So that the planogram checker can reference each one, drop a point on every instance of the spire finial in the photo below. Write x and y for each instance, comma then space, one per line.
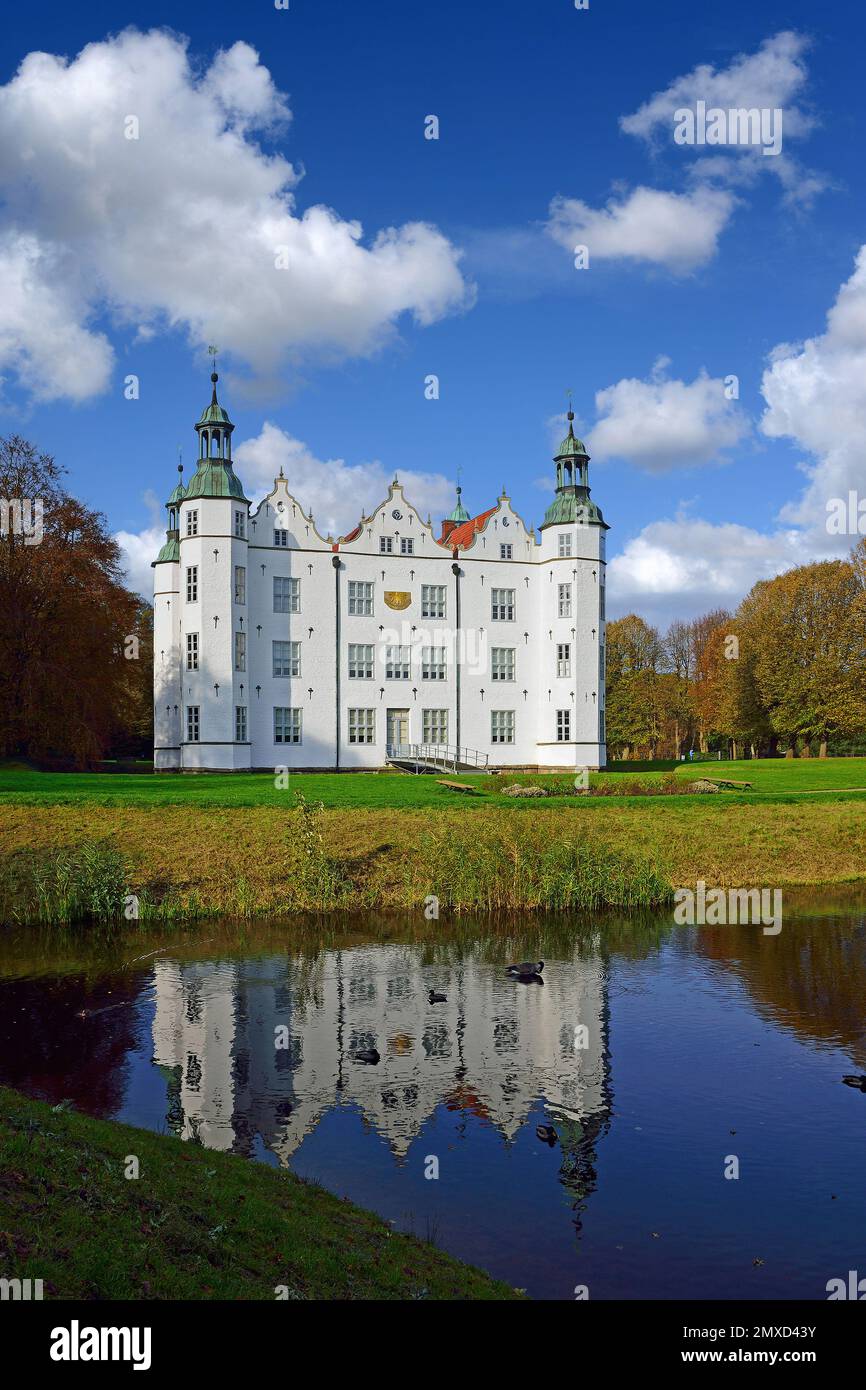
214, 376
570, 408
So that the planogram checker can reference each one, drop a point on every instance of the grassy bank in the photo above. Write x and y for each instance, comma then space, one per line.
771, 778
198, 860
194, 1225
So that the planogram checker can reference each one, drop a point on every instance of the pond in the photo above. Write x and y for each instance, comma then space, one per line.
700, 1143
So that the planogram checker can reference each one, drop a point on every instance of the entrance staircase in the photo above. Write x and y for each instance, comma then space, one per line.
435, 757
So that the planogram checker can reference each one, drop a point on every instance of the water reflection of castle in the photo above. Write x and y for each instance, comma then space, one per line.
492, 1050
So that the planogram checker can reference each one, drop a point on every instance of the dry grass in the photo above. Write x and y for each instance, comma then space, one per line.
248, 859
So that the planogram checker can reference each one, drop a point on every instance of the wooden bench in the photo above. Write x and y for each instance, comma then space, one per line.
458, 786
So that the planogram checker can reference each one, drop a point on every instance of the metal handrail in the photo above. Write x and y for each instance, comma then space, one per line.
444, 755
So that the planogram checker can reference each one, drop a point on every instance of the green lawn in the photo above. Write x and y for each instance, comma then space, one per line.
391, 790
194, 1224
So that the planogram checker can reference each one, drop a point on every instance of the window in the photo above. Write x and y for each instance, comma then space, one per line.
386, 545
434, 725
601, 726
505, 552
397, 663
192, 723
240, 524
192, 523
287, 595
362, 726
240, 651
240, 584
287, 725
564, 544
502, 663
360, 662
565, 600
360, 598
502, 605
601, 603
432, 600
286, 658
563, 659
192, 584
432, 663
240, 723
281, 537
192, 651
563, 726
407, 545
502, 726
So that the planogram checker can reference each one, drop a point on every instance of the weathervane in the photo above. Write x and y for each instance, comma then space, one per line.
212, 352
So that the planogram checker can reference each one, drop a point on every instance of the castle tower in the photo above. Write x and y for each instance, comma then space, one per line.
573, 614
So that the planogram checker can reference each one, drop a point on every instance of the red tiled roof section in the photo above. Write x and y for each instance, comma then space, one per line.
352, 536
463, 535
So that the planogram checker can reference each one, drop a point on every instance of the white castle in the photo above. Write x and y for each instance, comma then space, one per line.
275, 646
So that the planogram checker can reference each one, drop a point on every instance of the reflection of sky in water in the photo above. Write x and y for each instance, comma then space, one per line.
704, 1034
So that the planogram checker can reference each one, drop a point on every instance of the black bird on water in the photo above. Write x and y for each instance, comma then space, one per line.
859, 1082
435, 998
368, 1055
526, 970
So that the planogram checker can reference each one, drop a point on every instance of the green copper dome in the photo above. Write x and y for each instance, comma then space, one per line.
170, 552
571, 446
214, 478
459, 513
177, 496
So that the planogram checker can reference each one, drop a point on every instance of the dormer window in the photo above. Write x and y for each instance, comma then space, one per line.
386, 545
281, 538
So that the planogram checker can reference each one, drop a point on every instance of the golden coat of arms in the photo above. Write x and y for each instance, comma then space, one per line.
397, 598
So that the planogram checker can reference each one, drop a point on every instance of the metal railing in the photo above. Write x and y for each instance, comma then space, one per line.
445, 756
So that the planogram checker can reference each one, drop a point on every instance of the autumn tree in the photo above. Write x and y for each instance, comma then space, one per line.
70, 682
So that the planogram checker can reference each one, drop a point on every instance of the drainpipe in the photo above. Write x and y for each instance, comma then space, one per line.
335, 561
455, 570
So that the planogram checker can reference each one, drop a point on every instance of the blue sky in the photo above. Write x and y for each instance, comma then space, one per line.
122, 256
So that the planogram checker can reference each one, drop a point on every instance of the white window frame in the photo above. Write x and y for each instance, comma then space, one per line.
288, 724
434, 726
407, 545
506, 550
240, 525
360, 598
565, 546
192, 651
362, 726
397, 664
563, 726
240, 584
503, 663
240, 651
289, 658
386, 545
502, 605
433, 600
502, 726
434, 666
563, 658
289, 594
360, 663
240, 723
193, 723
192, 522
565, 600
281, 537
192, 583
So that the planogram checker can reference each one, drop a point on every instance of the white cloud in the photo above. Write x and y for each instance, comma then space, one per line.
677, 230
337, 492
816, 396
774, 76
661, 424
180, 228
684, 566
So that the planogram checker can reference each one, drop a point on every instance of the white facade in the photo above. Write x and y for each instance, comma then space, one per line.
275, 646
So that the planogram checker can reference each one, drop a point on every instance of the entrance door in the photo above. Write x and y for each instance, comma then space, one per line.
398, 727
